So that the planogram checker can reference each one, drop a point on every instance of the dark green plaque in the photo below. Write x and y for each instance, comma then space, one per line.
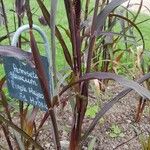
23, 83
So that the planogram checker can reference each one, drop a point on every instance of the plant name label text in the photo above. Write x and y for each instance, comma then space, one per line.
23, 83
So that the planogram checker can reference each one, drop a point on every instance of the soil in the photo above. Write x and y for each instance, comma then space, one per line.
122, 115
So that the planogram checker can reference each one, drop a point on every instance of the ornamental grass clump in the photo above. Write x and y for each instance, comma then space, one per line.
90, 52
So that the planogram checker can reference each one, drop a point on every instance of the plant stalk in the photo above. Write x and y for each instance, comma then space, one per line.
6, 21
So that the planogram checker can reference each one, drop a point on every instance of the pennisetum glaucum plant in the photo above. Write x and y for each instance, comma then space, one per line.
90, 40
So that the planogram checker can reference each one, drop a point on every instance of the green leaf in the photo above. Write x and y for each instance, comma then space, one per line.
113, 135
121, 135
92, 144
91, 111
116, 129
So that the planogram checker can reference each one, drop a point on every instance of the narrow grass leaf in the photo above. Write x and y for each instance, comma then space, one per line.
12, 125
138, 10
12, 51
28, 12
7, 111
40, 70
101, 18
65, 30
2, 81
111, 76
19, 7
5, 104
28, 125
4, 37
6, 133
109, 105
59, 36
109, 33
44, 84
5, 20
133, 24
69, 7
53, 41
123, 81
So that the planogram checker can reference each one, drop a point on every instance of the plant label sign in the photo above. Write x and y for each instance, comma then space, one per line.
23, 83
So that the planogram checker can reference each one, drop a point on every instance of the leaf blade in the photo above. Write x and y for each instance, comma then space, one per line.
109, 105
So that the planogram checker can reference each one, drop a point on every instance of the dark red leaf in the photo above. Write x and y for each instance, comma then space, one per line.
40, 70
12, 51
28, 11
12, 125
101, 18
6, 133
46, 15
42, 20
109, 105
44, 84
20, 7
111, 76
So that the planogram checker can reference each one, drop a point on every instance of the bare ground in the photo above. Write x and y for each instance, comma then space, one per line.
122, 114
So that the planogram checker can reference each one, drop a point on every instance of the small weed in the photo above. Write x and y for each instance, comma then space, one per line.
92, 143
91, 111
115, 131
145, 142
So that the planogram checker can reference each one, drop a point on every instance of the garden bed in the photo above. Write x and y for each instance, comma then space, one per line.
116, 130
